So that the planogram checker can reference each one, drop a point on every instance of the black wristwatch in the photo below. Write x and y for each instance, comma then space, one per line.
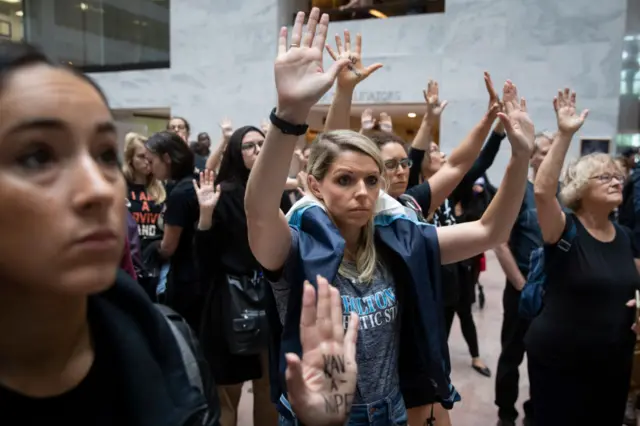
286, 127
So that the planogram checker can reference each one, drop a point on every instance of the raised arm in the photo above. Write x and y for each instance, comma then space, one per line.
550, 215
459, 242
422, 141
482, 163
213, 162
300, 83
208, 196
339, 116
444, 181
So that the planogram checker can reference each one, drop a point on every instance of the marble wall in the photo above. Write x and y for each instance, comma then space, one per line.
222, 56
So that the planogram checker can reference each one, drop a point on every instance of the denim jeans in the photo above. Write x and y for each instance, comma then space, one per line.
162, 279
389, 411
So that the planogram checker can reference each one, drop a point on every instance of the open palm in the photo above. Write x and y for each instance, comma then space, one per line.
516, 120
386, 124
300, 79
569, 120
226, 127
366, 119
494, 100
435, 107
355, 72
322, 384
208, 195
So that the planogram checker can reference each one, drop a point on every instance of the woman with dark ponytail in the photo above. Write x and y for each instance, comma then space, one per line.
226, 265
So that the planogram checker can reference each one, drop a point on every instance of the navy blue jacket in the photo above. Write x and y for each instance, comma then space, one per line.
414, 256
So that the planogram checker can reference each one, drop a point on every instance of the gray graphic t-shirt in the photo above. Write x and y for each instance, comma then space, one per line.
376, 304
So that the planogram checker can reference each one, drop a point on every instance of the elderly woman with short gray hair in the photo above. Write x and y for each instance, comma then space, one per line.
580, 346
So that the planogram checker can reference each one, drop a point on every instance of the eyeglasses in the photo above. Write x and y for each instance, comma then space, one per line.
252, 146
393, 163
608, 177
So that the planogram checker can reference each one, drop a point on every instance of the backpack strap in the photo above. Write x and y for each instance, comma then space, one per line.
410, 202
568, 235
188, 357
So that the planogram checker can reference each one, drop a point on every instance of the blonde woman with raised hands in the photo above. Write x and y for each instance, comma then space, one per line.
383, 264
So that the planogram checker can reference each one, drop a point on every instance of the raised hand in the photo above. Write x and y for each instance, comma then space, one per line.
569, 121
366, 120
227, 128
300, 79
264, 125
321, 386
183, 135
355, 72
435, 107
516, 120
302, 179
494, 100
386, 125
208, 195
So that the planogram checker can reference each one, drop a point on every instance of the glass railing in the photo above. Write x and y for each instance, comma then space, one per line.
110, 35
347, 10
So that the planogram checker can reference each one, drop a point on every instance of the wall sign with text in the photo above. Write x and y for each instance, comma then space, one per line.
368, 97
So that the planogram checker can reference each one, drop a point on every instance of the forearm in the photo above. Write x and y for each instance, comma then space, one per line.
339, 115
423, 138
480, 166
270, 171
205, 221
504, 208
213, 162
164, 251
205, 253
291, 184
509, 266
464, 155
487, 156
546, 183
417, 156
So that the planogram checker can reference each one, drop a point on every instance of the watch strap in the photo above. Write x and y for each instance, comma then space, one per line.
286, 127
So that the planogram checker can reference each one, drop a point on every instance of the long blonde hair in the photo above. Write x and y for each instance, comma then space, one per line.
155, 188
324, 151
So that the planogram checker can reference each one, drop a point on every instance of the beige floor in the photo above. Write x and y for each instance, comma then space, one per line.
477, 407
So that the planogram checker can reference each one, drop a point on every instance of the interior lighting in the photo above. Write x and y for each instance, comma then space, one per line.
20, 13
377, 14
84, 6
411, 115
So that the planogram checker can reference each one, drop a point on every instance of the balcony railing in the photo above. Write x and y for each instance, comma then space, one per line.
380, 9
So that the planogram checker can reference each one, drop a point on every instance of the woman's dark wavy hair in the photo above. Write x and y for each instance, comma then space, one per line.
182, 161
232, 167
16, 55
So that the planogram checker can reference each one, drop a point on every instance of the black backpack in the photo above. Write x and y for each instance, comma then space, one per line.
195, 364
